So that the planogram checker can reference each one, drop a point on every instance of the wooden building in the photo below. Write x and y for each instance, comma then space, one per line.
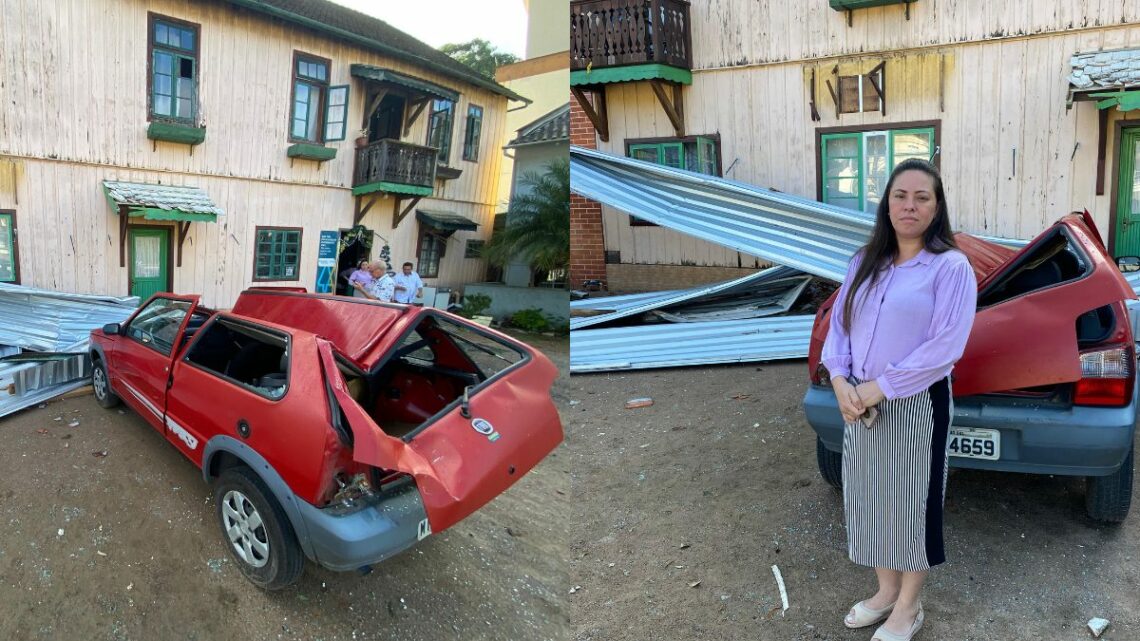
821, 99
207, 146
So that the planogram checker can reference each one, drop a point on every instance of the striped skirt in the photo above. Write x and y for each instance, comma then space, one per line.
894, 482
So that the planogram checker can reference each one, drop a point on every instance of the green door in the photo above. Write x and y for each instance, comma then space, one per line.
148, 261
1128, 198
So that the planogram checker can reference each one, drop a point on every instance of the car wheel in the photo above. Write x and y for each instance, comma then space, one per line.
101, 383
1107, 498
256, 529
830, 464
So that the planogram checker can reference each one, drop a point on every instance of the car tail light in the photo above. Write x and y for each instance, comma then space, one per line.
1107, 376
821, 375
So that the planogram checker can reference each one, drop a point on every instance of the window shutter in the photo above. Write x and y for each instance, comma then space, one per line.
336, 116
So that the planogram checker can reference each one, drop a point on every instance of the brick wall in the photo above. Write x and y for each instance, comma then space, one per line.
587, 247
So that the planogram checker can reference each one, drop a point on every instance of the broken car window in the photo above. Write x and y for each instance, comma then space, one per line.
1052, 261
157, 324
253, 357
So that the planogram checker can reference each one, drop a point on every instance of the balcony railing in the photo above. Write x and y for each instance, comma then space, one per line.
615, 33
392, 161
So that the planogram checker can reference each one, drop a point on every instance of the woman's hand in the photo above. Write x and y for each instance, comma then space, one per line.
850, 405
870, 393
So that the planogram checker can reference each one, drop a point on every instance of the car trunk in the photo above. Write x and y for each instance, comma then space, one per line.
1038, 310
464, 410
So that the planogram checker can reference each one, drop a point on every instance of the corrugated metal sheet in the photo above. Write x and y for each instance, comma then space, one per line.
795, 232
776, 298
49, 321
677, 345
615, 303
638, 303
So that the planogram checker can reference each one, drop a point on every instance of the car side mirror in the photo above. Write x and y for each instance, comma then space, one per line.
1128, 263
111, 329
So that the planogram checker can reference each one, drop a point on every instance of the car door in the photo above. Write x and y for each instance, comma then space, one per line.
142, 360
1029, 339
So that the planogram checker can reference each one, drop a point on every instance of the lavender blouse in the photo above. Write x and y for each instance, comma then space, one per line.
909, 329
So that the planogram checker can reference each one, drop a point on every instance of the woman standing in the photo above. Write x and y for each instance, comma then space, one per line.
900, 321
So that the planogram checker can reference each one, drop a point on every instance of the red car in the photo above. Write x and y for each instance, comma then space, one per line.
337, 429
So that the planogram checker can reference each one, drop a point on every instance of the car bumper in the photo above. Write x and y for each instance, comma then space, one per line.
1076, 441
342, 540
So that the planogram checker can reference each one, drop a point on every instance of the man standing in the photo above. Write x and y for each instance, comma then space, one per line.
408, 285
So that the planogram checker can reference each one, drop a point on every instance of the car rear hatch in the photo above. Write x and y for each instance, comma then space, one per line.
464, 410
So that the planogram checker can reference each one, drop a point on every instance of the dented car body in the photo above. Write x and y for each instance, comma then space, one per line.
367, 426
1046, 384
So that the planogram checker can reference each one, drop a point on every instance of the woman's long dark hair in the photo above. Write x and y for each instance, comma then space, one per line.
883, 248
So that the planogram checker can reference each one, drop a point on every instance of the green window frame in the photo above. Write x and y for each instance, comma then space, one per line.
277, 254
310, 77
474, 248
429, 252
694, 153
472, 133
9, 256
439, 128
855, 165
336, 116
172, 70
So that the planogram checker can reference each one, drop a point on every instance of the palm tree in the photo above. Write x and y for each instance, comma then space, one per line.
538, 222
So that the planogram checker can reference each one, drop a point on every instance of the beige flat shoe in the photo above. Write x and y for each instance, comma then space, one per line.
861, 616
883, 634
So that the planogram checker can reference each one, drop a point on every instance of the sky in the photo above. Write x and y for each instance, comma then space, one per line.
438, 22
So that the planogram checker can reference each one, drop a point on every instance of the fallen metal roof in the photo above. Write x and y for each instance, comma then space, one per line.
45, 320
808, 235
795, 232
683, 344
776, 297
639, 303
614, 303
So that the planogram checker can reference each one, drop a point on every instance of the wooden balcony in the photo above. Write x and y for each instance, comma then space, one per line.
394, 167
626, 33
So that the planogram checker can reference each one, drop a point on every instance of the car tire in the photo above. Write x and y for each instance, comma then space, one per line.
101, 383
830, 464
1108, 498
256, 530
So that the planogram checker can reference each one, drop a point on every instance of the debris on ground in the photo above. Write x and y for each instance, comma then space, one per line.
635, 403
780, 585
1097, 626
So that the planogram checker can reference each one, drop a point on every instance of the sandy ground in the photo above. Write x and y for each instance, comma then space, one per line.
125, 546
682, 509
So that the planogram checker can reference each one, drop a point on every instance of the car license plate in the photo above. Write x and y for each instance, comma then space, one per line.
975, 443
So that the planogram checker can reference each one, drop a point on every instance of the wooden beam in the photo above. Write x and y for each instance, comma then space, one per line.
374, 105
834, 98
1101, 148
941, 82
814, 112
411, 118
597, 116
397, 215
879, 85
123, 215
358, 215
183, 227
673, 109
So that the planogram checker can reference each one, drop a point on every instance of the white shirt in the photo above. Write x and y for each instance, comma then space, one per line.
411, 284
383, 288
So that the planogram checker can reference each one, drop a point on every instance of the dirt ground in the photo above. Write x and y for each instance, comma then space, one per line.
126, 546
682, 509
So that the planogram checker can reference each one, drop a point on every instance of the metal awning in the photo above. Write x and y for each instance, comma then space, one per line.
161, 202
1122, 100
445, 221
380, 74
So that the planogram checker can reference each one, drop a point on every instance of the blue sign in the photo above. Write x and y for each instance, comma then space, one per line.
326, 262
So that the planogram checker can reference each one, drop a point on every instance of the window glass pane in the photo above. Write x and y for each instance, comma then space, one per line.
163, 63
157, 324
846, 147
875, 170
188, 39
842, 188
160, 33
162, 84
174, 37
646, 153
162, 106
842, 168
673, 156
911, 145
277, 254
302, 92
7, 250
314, 109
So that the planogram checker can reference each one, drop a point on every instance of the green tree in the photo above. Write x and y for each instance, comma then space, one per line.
480, 55
538, 222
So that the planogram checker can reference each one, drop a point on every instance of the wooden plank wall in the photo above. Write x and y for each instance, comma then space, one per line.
75, 114
1001, 93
